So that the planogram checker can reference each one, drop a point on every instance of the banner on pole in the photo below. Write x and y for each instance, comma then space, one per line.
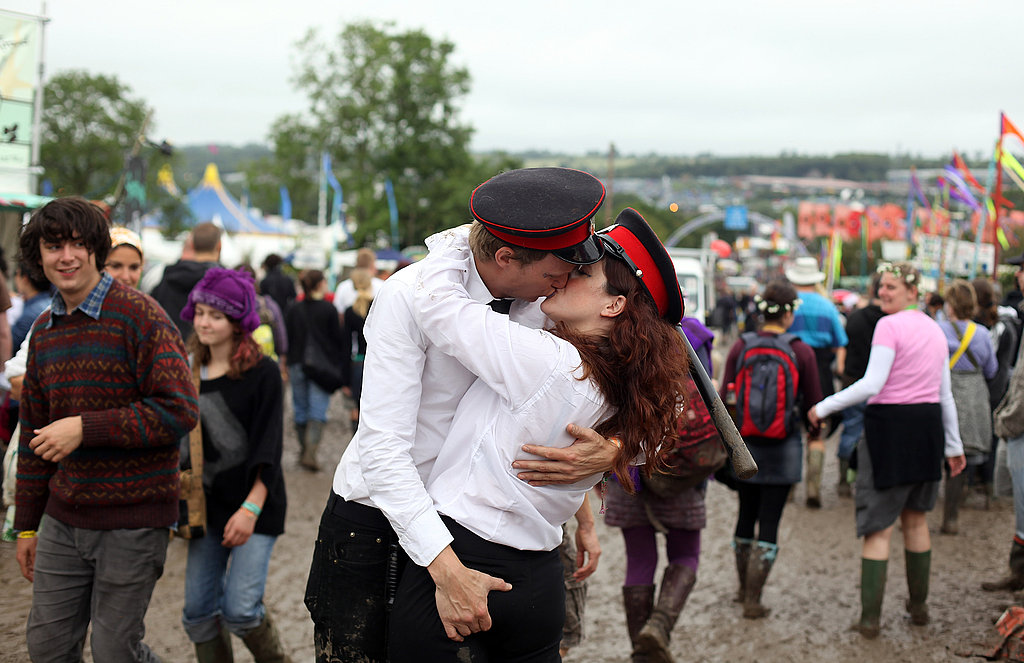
19, 72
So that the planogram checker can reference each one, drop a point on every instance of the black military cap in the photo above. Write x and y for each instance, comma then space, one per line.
632, 241
1016, 260
550, 209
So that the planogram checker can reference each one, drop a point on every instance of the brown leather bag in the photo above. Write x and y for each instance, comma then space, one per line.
192, 501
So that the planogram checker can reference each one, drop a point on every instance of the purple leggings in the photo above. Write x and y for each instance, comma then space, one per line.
682, 547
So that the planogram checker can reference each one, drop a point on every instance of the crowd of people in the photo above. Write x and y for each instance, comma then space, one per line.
490, 386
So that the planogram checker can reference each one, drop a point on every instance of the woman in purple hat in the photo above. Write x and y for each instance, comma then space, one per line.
613, 359
240, 407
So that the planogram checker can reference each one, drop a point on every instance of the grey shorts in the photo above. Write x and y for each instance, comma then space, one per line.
878, 509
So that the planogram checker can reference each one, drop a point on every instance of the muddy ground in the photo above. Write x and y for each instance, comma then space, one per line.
813, 590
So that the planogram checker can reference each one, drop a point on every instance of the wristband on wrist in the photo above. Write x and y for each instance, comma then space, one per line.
252, 508
27, 534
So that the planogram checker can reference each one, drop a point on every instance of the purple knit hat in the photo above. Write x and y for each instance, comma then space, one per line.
230, 292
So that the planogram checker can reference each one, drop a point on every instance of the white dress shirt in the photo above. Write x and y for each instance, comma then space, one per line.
410, 393
530, 386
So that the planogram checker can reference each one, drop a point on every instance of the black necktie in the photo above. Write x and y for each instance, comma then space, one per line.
500, 305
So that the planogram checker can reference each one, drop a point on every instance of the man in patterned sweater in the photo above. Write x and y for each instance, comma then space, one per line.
107, 395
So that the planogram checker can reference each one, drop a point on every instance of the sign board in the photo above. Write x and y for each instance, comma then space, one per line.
736, 217
956, 257
20, 36
309, 257
894, 250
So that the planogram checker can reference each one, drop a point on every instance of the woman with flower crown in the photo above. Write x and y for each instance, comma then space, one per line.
779, 462
910, 426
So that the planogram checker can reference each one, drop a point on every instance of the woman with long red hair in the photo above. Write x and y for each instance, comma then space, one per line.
241, 411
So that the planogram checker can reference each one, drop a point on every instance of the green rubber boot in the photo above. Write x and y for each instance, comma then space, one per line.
872, 591
918, 572
217, 650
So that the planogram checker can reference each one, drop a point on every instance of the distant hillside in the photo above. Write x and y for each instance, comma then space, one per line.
229, 159
863, 167
853, 166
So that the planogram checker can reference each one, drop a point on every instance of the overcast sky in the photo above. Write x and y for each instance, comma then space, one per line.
728, 77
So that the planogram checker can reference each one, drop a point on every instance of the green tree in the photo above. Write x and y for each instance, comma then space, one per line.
90, 122
384, 105
294, 163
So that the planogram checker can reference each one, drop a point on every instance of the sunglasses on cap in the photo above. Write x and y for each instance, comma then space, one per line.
615, 249
586, 252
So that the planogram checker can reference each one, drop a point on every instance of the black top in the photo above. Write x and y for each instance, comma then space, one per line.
860, 328
172, 291
242, 429
352, 329
1013, 299
278, 287
319, 318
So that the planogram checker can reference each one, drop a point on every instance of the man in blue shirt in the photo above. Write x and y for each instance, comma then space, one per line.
817, 323
35, 291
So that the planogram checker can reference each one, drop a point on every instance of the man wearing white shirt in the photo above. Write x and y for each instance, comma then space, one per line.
379, 507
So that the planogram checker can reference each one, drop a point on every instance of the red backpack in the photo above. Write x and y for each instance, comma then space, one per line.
766, 386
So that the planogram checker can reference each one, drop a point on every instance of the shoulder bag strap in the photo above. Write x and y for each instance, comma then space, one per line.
965, 340
195, 438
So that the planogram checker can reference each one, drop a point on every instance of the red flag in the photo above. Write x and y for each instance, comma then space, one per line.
961, 165
1009, 128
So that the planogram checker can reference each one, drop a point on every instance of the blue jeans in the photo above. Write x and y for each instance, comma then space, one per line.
853, 429
1015, 463
225, 584
309, 401
103, 576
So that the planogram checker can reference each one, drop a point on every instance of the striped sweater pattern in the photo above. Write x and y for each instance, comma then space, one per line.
128, 377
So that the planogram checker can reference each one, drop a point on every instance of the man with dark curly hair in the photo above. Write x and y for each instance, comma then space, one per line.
107, 395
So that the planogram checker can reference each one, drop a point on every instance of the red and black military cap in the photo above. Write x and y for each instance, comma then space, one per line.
632, 241
549, 209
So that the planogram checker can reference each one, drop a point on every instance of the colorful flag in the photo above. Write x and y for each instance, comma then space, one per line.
389, 189
286, 203
958, 189
961, 165
915, 186
165, 180
1009, 161
1007, 127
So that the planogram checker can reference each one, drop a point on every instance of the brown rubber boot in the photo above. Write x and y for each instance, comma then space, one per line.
638, 601
742, 549
300, 434
815, 463
217, 650
762, 558
951, 503
314, 430
1015, 580
264, 643
656, 633
843, 488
